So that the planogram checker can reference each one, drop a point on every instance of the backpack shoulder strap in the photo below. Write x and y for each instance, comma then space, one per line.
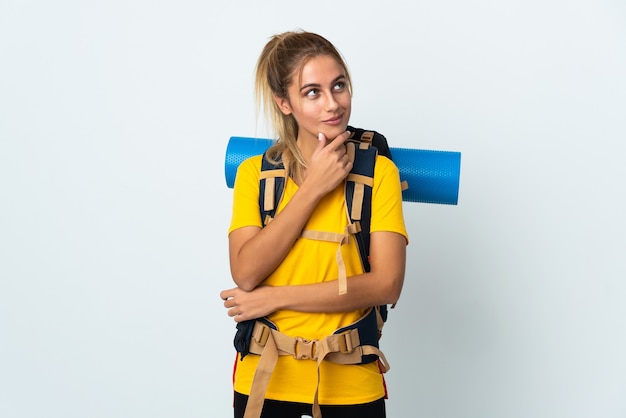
359, 191
376, 139
271, 187
358, 194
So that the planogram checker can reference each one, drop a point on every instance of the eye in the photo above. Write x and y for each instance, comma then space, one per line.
311, 93
340, 85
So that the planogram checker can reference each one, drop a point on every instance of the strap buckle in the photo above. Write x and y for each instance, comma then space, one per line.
305, 349
345, 342
261, 334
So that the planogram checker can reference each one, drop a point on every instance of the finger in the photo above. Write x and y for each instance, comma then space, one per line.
321, 142
228, 293
340, 140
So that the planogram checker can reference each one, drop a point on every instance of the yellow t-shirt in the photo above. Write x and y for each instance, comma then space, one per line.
312, 261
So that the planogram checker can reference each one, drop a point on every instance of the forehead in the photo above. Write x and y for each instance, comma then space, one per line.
321, 69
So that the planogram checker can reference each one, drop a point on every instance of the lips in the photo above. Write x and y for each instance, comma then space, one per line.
334, 120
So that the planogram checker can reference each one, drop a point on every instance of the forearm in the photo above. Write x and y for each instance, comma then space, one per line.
364, 290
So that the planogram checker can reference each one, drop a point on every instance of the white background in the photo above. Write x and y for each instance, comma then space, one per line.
114, 121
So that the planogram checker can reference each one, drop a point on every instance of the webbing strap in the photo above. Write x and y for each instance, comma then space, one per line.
343, 348
342, 278
278, 172
325, 236
359, 178
367, 136
261, 379
268, 203
358, 193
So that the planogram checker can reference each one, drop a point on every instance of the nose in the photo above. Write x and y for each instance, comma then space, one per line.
331, 103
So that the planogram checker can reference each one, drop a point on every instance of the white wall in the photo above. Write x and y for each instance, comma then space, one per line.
114, 120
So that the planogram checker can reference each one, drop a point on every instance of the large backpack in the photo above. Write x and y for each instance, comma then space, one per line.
356, 343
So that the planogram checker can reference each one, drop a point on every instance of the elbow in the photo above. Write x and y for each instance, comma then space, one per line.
394, 296
386, 285
245, 280
394, 289
246, 286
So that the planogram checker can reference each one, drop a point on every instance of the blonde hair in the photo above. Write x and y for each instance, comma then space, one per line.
283, 57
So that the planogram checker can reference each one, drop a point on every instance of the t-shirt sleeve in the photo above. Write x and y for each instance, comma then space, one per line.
387, 212
246, 210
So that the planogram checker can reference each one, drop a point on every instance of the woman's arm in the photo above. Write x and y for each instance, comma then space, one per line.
382, 285
255, 252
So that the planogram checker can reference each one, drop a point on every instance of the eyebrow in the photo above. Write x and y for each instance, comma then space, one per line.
338, 78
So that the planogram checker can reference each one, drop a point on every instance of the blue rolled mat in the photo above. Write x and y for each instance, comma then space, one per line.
432, 176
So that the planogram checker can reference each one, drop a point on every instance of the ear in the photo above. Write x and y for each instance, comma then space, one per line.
283, 105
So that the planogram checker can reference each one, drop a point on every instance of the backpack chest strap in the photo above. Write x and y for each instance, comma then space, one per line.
341, 239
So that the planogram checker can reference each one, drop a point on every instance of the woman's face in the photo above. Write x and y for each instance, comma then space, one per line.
319, 99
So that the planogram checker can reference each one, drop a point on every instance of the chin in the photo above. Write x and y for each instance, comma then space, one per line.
335, 131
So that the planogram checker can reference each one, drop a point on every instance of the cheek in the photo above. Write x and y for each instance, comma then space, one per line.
307, 109
346, 100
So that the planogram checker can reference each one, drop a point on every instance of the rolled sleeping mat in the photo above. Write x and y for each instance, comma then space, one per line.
432, 176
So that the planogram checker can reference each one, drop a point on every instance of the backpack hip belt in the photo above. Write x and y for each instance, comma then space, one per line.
353, 344
344, 346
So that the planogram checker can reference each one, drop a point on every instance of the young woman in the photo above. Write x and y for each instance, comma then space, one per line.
303, 84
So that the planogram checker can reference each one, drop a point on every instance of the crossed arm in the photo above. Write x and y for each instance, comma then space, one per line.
382, 285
